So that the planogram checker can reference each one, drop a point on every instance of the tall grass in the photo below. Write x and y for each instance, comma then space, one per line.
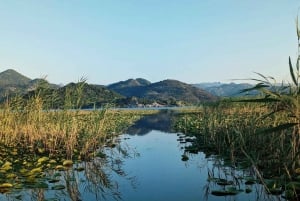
29, 124
263, 129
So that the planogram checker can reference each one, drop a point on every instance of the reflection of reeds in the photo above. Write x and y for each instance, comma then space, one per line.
95, 179
264, 129
231, 181
228, 128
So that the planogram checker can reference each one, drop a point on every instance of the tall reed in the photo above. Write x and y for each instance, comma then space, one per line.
264, 129
29, 123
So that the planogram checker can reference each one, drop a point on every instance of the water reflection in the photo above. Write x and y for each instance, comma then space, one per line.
160, 122
148, 167
233, 183
90, 180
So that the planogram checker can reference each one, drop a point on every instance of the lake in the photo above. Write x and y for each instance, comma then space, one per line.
148, 163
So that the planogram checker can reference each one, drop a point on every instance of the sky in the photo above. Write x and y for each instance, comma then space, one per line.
106, 41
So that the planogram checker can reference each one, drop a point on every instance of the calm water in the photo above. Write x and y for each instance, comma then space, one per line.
146, 165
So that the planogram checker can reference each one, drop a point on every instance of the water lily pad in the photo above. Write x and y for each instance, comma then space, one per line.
60, 167
224, 192
53, 180
67, 163
58, 187
250, 182
224, 182
7, 163
52, 161
42, 160
41, 150
6, 185
79, 169
41, 185
297, 171
248, 190
11, 176
6, 166
184, 158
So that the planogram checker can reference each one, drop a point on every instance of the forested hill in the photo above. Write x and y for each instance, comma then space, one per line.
163, 91
132, 92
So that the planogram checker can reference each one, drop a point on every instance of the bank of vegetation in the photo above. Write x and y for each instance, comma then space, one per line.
261, 132
35, 138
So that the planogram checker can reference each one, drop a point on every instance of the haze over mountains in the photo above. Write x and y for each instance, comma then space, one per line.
132, 92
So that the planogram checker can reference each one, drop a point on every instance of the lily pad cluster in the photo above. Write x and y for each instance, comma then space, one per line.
32, 171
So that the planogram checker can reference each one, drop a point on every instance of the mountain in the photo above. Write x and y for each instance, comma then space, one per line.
12, 78
92, 95
166, 92
226, 90
132, 92
129, 87
12, 82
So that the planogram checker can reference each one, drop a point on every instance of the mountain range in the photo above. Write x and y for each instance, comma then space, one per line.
226, 89
132, 92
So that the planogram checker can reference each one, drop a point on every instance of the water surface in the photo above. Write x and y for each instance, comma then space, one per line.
146, 164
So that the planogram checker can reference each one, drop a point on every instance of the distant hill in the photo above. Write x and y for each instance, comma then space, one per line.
132, 92
130, 87
12, 78
12, 82
226, 90
93, 95
166, 91
70, 97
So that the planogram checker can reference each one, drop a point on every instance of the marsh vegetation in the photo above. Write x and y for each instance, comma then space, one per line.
261, 132
36, 140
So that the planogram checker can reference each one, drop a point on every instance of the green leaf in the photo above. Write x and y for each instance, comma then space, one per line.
258, 100
256, 87
292, 72
271, 93
297, 64
261, 75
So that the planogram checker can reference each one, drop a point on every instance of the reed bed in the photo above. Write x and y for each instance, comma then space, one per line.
264, 129
234, 128
31, 126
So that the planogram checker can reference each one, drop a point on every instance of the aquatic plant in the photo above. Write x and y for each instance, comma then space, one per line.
34, 138
264, 129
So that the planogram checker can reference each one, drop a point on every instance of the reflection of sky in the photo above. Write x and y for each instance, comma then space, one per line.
161, 175
160, 122
156, 173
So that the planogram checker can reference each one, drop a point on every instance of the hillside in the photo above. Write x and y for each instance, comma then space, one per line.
129, 87
12, 78
71, 96
93, 95
226, 90
12, 82
132, 92
167, 91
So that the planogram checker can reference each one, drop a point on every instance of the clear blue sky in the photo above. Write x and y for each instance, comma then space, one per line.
111, 40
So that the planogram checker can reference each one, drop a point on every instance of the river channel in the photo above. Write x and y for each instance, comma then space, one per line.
148, 164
